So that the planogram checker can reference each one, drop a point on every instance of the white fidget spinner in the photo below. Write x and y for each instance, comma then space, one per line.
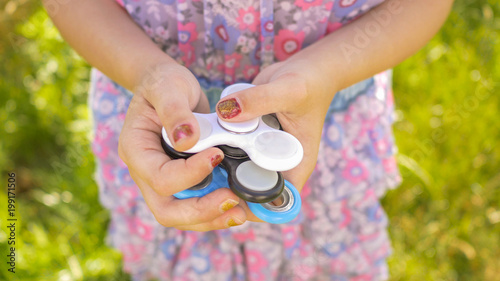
255, 153
266, 145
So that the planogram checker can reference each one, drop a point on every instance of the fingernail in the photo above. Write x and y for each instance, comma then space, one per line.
216, 160
227, 205
233, 222
229, 108
182, 131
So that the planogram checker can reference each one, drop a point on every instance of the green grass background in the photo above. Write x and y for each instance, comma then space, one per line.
444, 218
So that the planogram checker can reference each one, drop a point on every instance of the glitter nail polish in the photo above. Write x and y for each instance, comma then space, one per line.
229, 108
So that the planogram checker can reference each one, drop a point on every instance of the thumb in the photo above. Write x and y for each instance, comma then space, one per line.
174, 104
254, 102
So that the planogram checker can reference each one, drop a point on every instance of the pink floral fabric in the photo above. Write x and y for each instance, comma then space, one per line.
340, 233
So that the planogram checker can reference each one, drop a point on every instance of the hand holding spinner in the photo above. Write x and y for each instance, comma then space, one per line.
255, 152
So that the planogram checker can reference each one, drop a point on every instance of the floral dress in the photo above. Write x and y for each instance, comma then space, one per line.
340, 233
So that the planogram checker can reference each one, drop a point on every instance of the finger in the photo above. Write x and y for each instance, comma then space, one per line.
203, 105
178, 120
233, 217
267, 73
140, 148
278, 96
174, 94
249, 214
167, 176
172, 212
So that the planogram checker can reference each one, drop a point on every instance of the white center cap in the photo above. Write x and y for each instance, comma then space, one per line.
240, 127
254, 177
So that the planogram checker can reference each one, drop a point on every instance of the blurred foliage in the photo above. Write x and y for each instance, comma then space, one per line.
61, 226
445, 218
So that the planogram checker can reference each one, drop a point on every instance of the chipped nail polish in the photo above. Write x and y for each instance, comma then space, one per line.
227, 205
216, 160
233, 222
229, 108
182, 131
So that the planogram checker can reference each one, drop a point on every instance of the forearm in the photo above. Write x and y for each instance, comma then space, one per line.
104, 35
379, 40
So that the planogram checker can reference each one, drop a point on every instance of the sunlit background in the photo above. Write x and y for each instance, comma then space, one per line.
444, 218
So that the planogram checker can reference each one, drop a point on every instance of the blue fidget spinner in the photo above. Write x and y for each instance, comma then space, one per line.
255, 152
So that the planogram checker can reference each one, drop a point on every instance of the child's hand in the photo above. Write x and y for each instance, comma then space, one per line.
294, 91
167, 97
